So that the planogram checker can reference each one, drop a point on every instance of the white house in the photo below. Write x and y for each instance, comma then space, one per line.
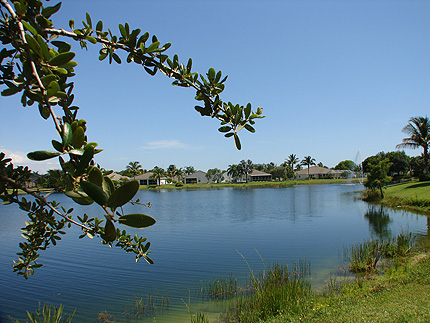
145, 179
196, 178
314, 172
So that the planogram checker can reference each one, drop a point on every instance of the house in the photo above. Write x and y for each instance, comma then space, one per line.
118, 178
314, 172
145, 179
345, 173
259, 176
197, 177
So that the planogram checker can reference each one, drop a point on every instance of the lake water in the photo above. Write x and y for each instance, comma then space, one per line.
197, 237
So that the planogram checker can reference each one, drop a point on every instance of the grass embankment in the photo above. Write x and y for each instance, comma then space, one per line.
412, 196
250, 184
402, 294
396, 291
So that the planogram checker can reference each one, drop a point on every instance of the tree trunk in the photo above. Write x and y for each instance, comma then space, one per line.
382, 193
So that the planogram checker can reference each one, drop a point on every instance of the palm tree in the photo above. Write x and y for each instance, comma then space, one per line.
292, 160
308, 161
179, 173
246, 167
419, 130
218, 177
189, 170
157, 173
171, 170
135, 168
233, 170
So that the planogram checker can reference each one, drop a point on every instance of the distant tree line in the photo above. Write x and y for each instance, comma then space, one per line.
381, 168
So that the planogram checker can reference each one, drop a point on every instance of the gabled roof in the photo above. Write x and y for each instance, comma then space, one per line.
144, 176
313, 170
199, 172
117, 177
259, 173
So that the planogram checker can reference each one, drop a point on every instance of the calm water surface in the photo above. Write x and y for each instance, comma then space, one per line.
197, 238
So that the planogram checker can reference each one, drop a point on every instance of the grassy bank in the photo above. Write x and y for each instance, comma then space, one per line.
391, 284
251, 184
412, 196
402, 294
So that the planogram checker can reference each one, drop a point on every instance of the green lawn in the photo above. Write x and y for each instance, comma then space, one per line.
413, 196
409, 190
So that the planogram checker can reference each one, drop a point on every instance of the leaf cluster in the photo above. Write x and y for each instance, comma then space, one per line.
36, 62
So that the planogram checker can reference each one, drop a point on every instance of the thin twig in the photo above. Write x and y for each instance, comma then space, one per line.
33, 65
42, 199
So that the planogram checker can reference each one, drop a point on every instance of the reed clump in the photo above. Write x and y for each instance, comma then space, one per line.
267, 294
49, 313
364, 257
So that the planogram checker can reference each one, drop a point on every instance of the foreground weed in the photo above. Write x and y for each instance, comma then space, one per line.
221, 289
49, 314
199, 318
105, 317
271, 293
148, 305
364, 257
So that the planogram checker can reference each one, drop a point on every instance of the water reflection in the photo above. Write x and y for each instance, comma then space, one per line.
195, 239
379, 221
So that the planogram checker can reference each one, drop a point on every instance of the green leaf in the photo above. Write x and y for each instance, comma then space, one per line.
34, 45
52, 89
91, 39
10, 91
137, 220
247, 110
77, 152
67, 134
57, 145
44, 111
18, 8
49, 11
123, 194
90, 24
85, 161
107, 186
48, 79
152, 47
79, 197
116, 58
95, 192
78, 137
62, 46
189, 64
29, 27
62, 70
211, 74
44, 47
224, 129
237, 142
61, 59
95, 176
122, 31
42, 155
249, 128
110, 232
99, 26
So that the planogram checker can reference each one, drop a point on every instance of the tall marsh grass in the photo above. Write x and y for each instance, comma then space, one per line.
267, 294
364, 257
49, 314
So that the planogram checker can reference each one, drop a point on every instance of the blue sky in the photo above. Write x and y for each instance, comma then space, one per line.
333, 78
